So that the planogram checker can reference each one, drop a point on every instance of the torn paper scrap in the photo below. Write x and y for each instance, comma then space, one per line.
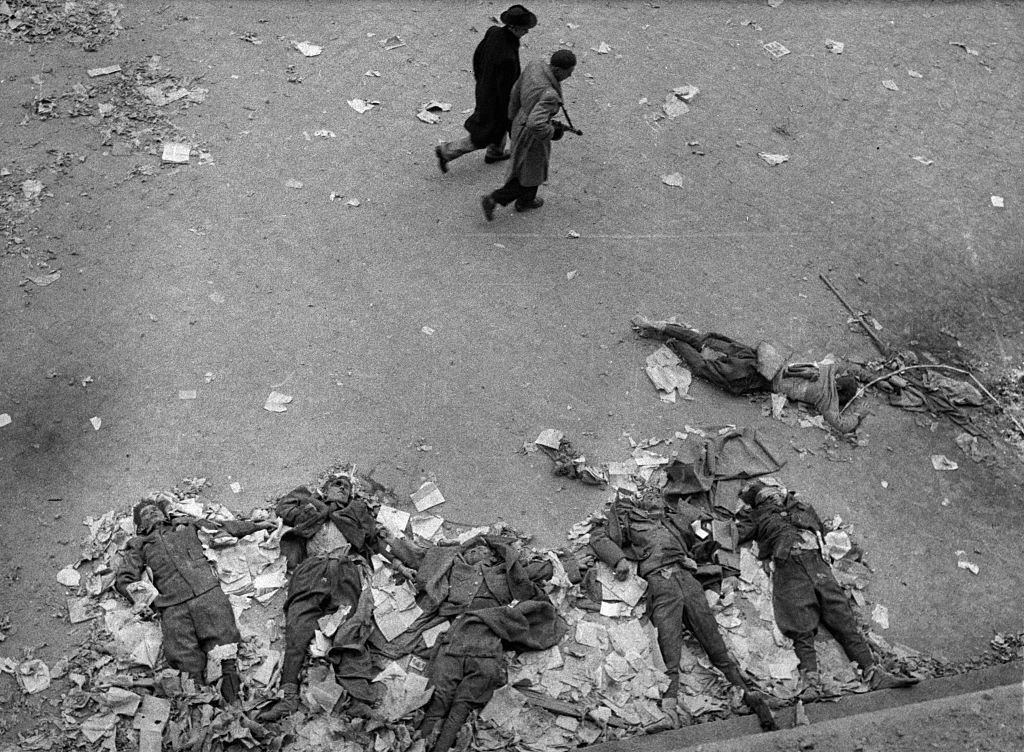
550, 438
942, 462
426, 526
880, 616
630, 590
968, 565
773, 159
95, 727
997, 201
667, 373
775, 49
428, 117
33, 676
592, 635
176, 153
276, 402
329, 624
187, 394
395, 520
5, 419
890, 85
834, 47
121, 701
360, 105
602, 48
44, 280
308, 49
96, 422
430, 636
69, 577
837, 544
104, 71
427, 496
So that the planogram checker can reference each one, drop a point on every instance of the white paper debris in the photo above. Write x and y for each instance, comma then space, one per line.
33, 676
969, 566
775, 49
5, 420
427, 496
395, 520
425, 526
105, 71
293, 183
176, 153
834, 47
773, 159
31, 189
44, 280
187, 394
276, 402
602, 48
236, 487
430, 636
890, 85
360, 105
675, 179
880, 616
550, 438
96, 423
942, 462
308, 49
997, 201
69, 577
667, 372
924, 160
428, 117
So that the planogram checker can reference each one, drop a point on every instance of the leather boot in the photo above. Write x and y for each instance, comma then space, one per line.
287, 705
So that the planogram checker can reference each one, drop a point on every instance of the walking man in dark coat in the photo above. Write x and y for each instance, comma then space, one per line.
536, 99
495, 68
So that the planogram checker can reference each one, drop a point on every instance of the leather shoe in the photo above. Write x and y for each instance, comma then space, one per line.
758, 703
442, 163
522, 206
488, 205
488, 159
879, 678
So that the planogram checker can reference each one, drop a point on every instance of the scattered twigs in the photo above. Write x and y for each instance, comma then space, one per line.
981, 387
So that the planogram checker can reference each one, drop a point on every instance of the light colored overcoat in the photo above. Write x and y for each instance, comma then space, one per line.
535, 100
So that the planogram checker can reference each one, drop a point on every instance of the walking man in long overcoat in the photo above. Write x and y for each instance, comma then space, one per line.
495, 68
535, 101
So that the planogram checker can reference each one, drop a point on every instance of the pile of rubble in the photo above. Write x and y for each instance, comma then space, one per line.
88, 23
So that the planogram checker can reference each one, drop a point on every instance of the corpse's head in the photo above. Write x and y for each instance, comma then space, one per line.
338, 489
757, 493
478, 554
149, 513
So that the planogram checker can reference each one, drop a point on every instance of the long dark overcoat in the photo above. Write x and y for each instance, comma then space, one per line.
495, 68
536, 98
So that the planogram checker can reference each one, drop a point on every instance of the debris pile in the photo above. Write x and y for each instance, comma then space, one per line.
88, 23
130, 103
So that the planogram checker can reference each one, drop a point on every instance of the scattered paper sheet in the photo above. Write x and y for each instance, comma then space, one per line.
602, 48
924, 160
550, 438
293, 183
969, 566
33, 676
880, 616
360, 105
997, 201
308, 49
773, 159
428, 117
95, 727
69, 577
942, 462
45, 279
426, 526
395, 520
427, 496
430, 636
121, 701
276, 402
890, 85
592, 635
630, 590
667, 372
105, 71
5, 419
392, 42
776, 49
834, 47
673, 106
96, 423
176, 153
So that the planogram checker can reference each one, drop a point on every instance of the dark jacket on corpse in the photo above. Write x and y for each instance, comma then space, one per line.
173, 552
495, 68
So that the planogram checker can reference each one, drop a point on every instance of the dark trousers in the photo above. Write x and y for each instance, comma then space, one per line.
677, 601
193, 628
461, 684
514, 191
319, 587
806, 594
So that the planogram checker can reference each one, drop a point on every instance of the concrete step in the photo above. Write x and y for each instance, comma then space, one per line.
929, 705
